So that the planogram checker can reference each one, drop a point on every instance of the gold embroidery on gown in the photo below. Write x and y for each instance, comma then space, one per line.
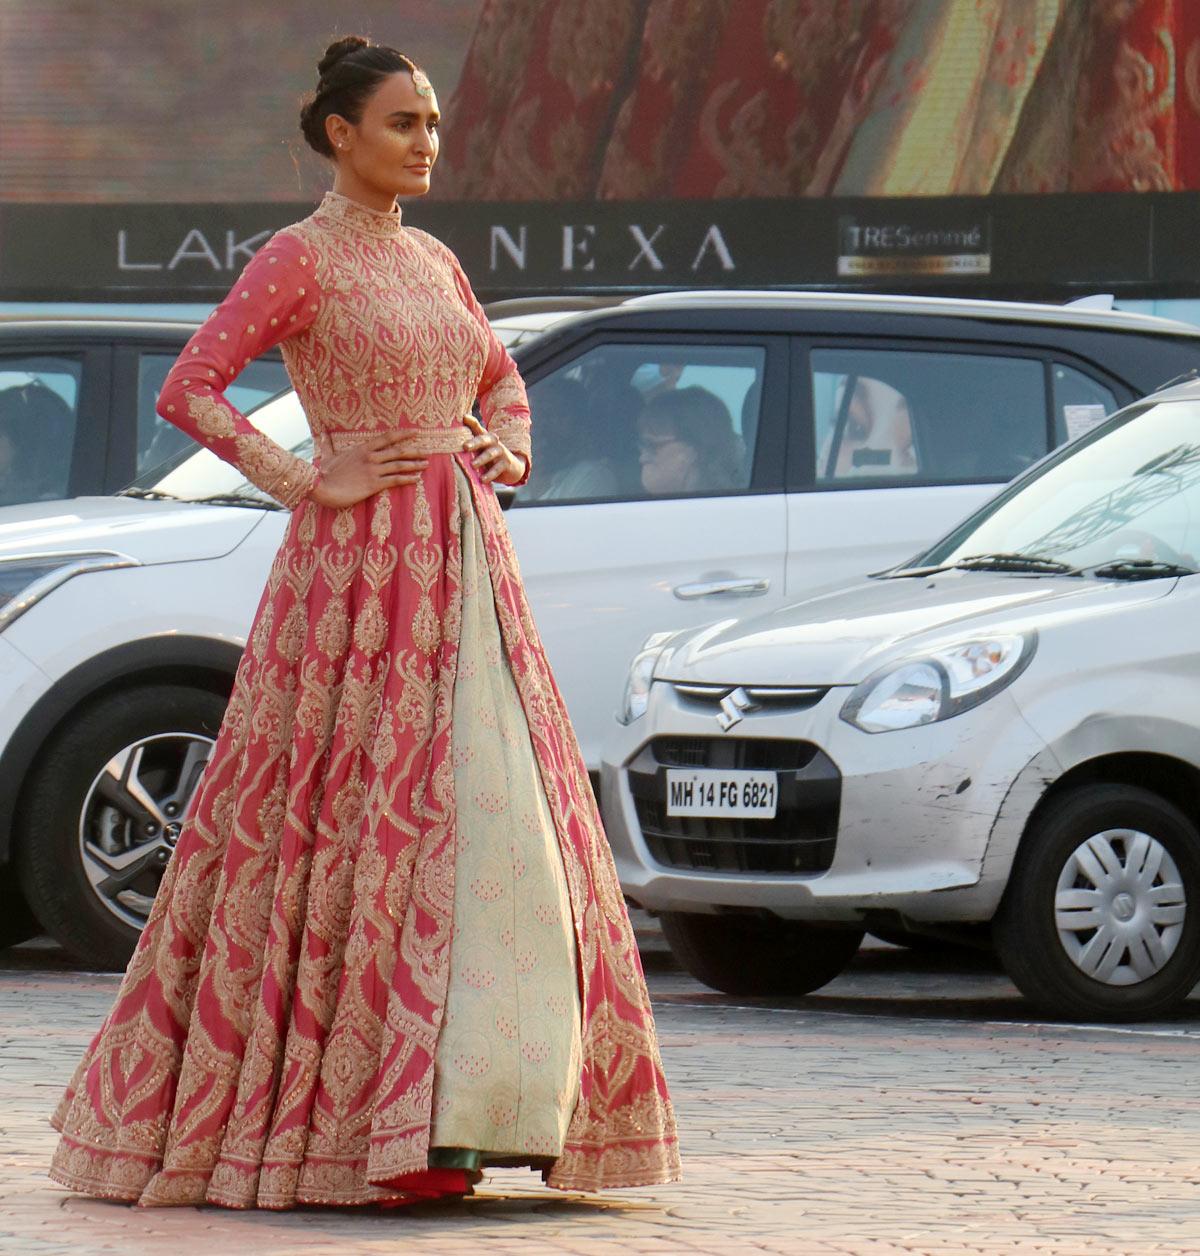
275, 1039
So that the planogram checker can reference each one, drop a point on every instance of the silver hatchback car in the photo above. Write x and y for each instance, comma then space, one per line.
1000, 738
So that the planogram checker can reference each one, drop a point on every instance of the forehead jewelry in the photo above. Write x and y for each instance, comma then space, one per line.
421, 83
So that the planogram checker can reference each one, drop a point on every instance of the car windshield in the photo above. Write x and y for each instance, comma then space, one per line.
201, 476
1123, 501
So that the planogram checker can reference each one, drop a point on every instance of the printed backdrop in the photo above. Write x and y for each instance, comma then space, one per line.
616, 100
1022, 147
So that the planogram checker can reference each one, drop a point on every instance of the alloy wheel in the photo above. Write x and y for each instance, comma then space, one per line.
132, 816
1119, 907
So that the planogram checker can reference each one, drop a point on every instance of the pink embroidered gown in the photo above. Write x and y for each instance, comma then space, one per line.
390, 946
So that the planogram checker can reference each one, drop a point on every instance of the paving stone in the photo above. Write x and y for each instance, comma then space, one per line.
911, 1107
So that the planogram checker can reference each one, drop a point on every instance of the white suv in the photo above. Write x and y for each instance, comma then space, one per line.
855, 430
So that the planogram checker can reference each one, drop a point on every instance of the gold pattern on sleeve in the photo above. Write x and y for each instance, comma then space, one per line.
514, 431
212, 418
272, 468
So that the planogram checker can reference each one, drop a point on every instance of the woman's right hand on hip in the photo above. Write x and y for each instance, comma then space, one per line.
351, 475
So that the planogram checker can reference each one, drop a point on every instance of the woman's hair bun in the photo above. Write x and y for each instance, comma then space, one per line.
351, 69
338, 49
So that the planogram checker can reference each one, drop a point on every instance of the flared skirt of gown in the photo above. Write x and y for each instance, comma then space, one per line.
385, 925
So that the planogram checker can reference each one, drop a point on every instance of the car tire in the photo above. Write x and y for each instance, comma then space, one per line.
746, 955
1126, 861
93, 901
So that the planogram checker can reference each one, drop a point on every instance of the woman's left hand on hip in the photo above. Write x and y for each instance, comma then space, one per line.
493, 459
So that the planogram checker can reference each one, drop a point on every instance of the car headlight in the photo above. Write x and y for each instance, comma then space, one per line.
641, 677
25, 581
938, 685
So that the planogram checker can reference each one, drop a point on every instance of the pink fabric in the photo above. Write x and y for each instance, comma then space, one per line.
273, 1040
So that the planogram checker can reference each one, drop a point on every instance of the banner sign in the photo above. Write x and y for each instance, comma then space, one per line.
1050, 246
885, 245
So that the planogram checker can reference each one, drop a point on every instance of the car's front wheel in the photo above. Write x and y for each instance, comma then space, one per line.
103, 811
747, 955
1101, 917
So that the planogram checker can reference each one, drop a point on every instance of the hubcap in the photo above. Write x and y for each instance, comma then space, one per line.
1119, 907
132, 818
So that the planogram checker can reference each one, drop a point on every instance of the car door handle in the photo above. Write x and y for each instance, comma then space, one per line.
752, 586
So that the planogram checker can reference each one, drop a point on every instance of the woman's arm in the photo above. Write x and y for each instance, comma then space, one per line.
503, 404
276, 297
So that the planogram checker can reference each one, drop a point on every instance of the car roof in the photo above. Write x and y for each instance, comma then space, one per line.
534, 321
1176, 390
1086, 314
102, 327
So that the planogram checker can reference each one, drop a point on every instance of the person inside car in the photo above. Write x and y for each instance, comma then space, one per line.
572, 463
688, 444
36, 429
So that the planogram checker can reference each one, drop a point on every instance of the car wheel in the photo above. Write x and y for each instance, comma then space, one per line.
1101, 917
747, 955
103, 811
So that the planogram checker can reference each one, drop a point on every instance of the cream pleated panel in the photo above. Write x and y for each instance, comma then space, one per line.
508, 1059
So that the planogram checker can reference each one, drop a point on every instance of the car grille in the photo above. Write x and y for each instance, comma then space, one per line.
800, 839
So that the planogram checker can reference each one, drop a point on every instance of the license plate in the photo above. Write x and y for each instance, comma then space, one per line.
733, 795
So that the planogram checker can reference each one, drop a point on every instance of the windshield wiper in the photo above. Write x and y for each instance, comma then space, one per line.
1138, 569
1015, 562
238, 499
148, 495
985, 562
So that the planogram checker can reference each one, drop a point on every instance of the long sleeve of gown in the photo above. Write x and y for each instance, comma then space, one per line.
503, 404
276, 297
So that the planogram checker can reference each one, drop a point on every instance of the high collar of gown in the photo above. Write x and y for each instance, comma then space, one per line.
360, 217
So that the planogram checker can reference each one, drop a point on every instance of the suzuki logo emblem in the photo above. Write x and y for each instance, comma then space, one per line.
734, 705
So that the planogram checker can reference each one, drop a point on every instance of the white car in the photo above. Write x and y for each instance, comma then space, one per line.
1003, 733
854, 429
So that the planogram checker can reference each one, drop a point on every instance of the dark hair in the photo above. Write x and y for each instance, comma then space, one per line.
349, 72
701, 419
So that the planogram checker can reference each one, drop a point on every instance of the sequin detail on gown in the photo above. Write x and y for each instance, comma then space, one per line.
274, 1039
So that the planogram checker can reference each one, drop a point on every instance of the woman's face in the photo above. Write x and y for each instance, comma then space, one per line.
668, 463
878, 439
394, 145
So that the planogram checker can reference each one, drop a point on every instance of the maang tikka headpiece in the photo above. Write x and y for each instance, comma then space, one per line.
421, 83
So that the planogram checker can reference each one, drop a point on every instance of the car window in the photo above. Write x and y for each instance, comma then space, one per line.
628, 422
1080, 402
159, 441
924, 417
1127, 495
39, 405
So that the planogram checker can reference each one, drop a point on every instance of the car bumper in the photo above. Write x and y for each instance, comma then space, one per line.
915, 813
22, 683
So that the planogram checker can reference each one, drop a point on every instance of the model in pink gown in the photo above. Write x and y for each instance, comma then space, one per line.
390, 948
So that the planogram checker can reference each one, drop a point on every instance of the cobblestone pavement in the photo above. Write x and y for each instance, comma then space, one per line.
909, 1107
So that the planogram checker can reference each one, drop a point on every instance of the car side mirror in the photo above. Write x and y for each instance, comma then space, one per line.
506, 494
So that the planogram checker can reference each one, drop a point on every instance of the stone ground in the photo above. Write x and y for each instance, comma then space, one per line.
910, 1107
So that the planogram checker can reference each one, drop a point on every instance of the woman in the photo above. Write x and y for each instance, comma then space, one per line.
688, 444
390, 948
